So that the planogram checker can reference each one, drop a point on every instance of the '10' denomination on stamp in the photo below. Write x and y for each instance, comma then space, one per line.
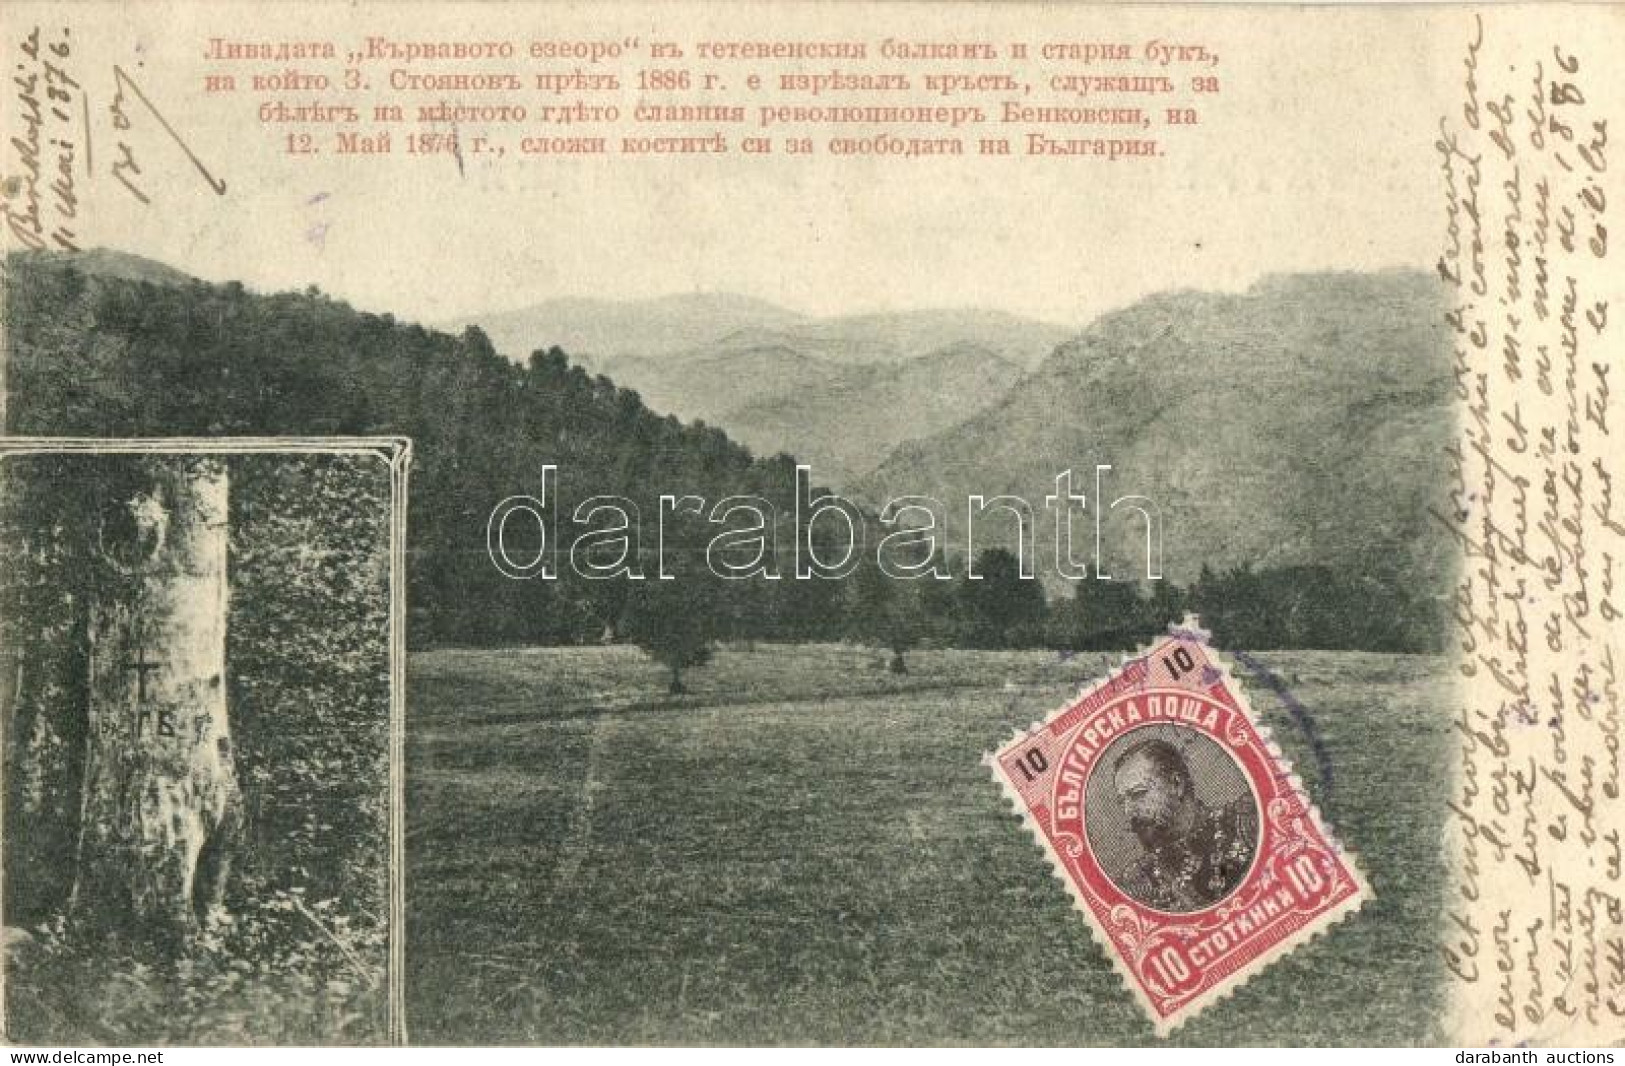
1179, 827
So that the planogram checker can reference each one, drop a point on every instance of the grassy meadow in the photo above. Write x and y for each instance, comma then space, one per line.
807, 849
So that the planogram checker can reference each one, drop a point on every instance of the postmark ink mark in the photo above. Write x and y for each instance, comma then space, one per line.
1300, 717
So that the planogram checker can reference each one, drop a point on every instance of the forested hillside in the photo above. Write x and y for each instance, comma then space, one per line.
1298, 426
93, 354
842, 418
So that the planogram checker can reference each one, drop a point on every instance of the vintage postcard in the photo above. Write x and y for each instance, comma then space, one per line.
1199, 417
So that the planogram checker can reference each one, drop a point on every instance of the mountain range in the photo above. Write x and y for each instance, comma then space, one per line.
603, 335
593, 329
840, 393
1302, 422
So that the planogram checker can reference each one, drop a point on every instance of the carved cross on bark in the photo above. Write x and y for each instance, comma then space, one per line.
141, 668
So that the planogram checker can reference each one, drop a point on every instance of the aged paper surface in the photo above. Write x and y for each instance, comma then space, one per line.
1079, 318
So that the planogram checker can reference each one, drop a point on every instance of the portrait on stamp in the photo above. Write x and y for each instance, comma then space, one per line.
1172, 817
1185, 839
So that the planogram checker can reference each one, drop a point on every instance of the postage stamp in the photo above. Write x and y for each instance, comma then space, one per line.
1178, 826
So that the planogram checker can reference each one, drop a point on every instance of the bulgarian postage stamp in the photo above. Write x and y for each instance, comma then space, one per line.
1179, 828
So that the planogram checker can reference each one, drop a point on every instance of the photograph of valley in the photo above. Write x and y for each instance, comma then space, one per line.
710, 811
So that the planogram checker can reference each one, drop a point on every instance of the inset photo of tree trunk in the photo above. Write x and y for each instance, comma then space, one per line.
195, 687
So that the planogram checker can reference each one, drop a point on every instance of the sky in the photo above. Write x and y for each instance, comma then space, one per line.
1317, 153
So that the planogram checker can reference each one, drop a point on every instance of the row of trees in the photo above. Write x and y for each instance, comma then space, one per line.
678, 622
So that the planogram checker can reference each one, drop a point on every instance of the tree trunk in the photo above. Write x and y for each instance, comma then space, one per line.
676, 688
160, 798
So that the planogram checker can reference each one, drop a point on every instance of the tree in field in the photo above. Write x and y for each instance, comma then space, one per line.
1104, 616
888, 612
939, 605
676, 622
1000, 608
1166, 606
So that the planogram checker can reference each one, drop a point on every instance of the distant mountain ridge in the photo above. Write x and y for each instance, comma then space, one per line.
603, 334
1302, 422
590, 330
847, 425
840, 392
709, 386
896, 337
